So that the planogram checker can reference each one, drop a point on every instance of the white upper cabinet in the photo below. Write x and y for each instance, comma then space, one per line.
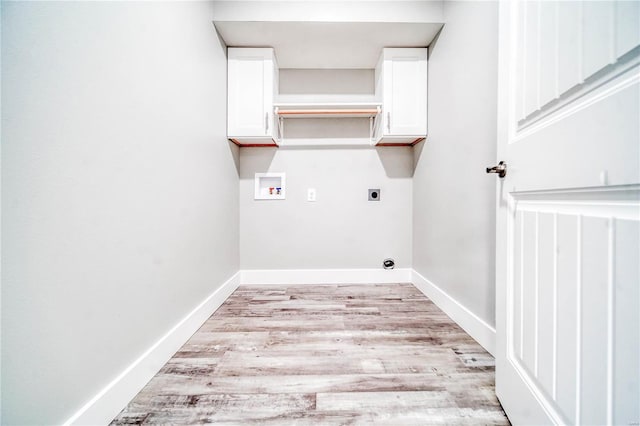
397, 111
401, 86
252, 87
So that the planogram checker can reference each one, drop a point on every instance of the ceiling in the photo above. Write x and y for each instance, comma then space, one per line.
330, 45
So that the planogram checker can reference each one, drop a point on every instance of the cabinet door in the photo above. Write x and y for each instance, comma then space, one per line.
251, 91
405, 91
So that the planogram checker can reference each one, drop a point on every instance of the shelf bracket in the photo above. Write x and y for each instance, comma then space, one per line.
372, 125
280, 123
371, 130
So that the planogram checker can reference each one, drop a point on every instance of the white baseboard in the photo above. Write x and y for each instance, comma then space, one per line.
477, 328
325, 276
104, 406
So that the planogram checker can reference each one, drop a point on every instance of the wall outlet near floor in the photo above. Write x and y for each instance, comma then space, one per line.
311, 194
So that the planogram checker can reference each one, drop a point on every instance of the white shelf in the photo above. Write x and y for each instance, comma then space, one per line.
398, 140
327, 110
254, 141
325, 142
323, 98
336, 110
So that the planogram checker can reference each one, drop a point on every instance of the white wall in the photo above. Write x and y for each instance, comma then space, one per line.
453, 199
120, 191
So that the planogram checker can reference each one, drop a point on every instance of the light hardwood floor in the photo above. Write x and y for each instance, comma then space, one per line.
324, 355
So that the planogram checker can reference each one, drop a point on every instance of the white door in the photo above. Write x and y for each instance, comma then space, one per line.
568, 230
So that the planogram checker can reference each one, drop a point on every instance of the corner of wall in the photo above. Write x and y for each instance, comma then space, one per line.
475, 326
454, 215
107, 403
324, 276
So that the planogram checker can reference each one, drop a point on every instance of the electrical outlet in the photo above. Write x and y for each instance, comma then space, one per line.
311, 194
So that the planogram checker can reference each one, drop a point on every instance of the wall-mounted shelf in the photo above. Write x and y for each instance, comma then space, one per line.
370, 110
325, 142
327, 110
400, 141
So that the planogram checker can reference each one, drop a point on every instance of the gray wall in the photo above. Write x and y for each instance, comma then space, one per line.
453, 199
120, 191
121, 209
341, 229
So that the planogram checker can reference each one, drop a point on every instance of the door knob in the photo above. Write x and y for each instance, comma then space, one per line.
500, 169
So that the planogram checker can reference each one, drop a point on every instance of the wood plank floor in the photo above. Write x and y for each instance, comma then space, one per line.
324, 355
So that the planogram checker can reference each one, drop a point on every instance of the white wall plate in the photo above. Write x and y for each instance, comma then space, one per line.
269, 186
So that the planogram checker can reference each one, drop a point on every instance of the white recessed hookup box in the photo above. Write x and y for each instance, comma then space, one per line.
269, 186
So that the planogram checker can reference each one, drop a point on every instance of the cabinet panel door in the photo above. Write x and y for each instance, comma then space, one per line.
406, 91
250, 97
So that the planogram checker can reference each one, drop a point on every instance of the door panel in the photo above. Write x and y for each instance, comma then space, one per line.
626, 368
566, 325
546, 306
569, 126
593, 320
405, 106
598, 30
627, 22
528, 286
548, 52
248, 96
530, 97
567, 44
